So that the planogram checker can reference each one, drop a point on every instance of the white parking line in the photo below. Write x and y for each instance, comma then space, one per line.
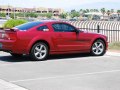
65, 76
4, 85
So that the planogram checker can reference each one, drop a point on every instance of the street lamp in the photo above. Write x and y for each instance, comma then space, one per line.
7, 12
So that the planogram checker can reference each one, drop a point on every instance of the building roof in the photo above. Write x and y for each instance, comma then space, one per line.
93, 13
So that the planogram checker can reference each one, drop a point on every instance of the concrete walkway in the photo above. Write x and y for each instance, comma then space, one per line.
113, 53
4, 85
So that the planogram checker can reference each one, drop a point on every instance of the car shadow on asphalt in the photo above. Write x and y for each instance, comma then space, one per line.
68, 56
51, 57
14, 59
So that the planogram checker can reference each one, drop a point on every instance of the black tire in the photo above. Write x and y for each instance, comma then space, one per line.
101, 50
16, 55
40, 55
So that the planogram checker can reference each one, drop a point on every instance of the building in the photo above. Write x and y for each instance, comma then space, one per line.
10, 9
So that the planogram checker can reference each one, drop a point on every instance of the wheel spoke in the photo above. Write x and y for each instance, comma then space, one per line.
100, 45
41, 47
41, 55
94, 48
97, 51
101, 49
43, 51
96, 45
37, 49
37, 53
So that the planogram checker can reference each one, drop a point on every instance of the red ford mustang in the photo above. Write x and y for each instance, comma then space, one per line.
39, 39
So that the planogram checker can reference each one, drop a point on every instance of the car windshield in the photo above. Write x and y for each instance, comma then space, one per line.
28, 25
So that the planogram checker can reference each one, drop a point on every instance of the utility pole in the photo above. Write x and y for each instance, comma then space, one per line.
14, 12
0, 12
0, 9
8, 11
24, 13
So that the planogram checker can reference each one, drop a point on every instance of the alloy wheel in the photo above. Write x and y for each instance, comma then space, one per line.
98, 48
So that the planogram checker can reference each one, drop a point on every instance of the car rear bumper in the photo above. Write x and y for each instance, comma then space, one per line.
6, 45
13, 46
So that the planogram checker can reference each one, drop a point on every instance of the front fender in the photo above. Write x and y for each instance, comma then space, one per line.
99, 37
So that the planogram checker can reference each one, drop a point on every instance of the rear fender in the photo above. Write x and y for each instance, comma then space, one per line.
38, 38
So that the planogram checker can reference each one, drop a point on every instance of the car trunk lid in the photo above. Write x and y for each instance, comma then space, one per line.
8, 34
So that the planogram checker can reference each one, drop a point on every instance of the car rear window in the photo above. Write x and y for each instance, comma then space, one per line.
28, 25
41, 28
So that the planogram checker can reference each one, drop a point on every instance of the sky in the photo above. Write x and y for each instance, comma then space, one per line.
65, 4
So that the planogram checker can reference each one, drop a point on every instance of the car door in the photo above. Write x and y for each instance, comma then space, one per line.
65, 37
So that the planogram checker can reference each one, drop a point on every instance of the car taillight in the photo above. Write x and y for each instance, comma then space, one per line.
8, 36
12, 37
5, 36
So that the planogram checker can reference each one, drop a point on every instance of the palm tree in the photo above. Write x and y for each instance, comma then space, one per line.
74, 13
81, 10
91, 10
112, 10
96, 10
84, 11
108, 13
103, 11
63, 15
87, 10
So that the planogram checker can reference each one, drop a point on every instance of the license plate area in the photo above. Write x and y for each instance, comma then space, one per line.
0, 45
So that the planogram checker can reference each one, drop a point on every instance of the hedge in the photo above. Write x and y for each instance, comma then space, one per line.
12, 23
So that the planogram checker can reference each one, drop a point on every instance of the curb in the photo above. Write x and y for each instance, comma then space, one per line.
4, 85
113, 53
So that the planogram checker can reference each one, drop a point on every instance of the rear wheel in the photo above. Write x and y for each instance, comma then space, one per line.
98, 48
16, 55
39, 51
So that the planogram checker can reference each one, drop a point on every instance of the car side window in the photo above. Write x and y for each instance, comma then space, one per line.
67, 28
57, 27
42, 28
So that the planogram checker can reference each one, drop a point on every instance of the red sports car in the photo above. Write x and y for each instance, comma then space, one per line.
40, 39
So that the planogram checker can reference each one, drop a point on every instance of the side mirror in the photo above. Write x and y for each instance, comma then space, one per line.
77, 31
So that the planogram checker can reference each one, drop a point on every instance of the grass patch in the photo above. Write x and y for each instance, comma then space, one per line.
114, 46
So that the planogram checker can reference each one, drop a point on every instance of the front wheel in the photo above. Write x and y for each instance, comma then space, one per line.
98, 48
39, 51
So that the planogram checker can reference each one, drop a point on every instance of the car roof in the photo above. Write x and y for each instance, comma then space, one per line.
50, 21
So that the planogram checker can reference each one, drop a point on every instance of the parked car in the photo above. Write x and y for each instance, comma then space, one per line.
72, 19
40, 39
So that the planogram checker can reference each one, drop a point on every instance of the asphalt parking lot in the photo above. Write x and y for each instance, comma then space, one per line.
62, 72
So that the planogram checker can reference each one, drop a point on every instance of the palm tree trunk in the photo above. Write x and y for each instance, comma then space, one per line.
103, 15
118, 16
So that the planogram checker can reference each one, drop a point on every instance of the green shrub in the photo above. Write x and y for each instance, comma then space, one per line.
114, 46
2, 14
13, 22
